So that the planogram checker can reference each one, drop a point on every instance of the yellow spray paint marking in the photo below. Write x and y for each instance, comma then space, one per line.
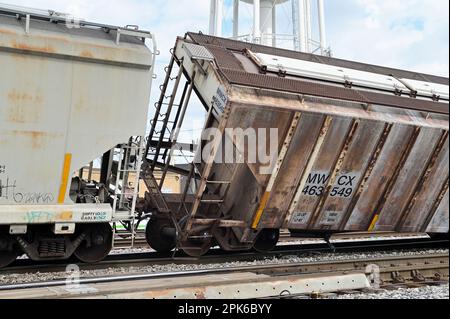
260, 210
64, 178
374, 222
66, 215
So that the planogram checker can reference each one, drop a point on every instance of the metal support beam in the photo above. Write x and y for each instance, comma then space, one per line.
219, 18
216, 17
323, 39
308, 25
235, 18
256, 21
274, 24
212, 17
296, 24
302, 26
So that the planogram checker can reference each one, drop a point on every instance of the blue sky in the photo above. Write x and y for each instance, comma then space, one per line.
409, 34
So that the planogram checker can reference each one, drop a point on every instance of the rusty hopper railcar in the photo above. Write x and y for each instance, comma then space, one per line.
361, 148
70, 92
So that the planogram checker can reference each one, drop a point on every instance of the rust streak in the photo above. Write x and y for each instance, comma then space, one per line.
200, 293
86, 54
15, 96
436, 205
9, 32
37, 139
27, 47
24, 107
423, 179
393, 179
369, 170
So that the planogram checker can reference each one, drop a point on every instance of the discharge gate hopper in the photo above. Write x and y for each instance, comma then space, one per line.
360, 147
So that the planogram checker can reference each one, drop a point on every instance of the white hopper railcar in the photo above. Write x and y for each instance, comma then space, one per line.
70, 92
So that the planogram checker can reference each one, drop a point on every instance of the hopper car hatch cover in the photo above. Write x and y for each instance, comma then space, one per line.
325, 77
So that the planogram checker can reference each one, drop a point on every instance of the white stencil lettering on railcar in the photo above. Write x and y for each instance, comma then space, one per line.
94, 216
300, 218
331, 218
220, 100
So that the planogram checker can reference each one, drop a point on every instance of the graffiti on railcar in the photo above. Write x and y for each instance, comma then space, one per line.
7, 185
8, 191
33, 198
39, 217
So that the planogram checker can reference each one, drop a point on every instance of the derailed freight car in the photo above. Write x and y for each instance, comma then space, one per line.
360, 148
71, 91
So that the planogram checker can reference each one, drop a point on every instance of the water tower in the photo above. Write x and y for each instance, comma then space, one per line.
264, 27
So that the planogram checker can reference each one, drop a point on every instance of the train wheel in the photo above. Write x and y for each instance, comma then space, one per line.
97, 245
8, 251
196, 247
267, 240
157, 235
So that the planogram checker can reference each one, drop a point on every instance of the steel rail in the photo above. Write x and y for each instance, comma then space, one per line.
387, 264
220, 256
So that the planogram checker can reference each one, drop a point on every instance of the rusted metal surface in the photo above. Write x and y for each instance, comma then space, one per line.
440, 218
347, 175
383, 170
293, 167
356, 160
241, 46
422, 202
409, 176
320, 90
233, 69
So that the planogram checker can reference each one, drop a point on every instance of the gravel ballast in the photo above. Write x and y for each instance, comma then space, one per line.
15, 278
428, 292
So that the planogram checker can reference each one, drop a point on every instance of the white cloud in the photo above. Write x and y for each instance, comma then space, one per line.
410, 34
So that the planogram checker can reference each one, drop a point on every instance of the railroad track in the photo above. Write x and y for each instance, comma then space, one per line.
220, 256
122, 242
262, 281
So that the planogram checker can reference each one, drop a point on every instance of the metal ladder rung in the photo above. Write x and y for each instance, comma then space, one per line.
128, 170
168, 122
158, 135
169, 104
132, 147
212, 201
165, 139
218, 182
